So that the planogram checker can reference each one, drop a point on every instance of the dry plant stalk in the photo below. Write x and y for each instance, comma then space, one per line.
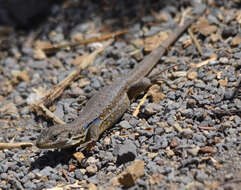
203, 63
15, 145
55, 92
194, 39
136, 112
85, 41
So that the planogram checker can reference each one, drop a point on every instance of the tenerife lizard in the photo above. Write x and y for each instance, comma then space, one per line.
106, 107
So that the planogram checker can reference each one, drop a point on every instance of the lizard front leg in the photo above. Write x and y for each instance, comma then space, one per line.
108, 118
138, 87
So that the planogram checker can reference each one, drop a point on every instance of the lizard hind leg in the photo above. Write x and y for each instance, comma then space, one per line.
138, 87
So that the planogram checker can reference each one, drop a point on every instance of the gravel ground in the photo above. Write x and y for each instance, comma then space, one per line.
187, 134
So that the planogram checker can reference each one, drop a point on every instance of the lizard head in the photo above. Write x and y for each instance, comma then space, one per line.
58, 136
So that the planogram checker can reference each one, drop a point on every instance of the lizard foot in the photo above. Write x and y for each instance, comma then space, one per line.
86, 146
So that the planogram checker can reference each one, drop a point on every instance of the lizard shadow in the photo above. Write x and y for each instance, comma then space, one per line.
53, 158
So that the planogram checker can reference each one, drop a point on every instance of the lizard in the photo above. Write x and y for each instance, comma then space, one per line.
107, 106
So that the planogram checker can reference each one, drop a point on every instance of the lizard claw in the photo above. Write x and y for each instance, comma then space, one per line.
87, 145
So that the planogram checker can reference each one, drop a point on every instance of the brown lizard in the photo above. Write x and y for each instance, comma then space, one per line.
106, 107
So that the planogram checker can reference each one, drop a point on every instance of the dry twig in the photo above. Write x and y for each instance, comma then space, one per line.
203, 63
84, 42
15, 145
207, 128
135, 113
55, 92
194, 39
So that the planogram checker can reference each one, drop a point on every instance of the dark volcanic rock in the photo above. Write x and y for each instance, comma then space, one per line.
125, 152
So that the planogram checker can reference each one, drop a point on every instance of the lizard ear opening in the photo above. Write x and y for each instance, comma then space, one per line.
90, 124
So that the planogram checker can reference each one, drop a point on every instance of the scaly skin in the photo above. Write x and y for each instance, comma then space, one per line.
106, 107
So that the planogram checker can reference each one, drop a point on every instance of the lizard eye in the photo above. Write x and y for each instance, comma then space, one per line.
55, 137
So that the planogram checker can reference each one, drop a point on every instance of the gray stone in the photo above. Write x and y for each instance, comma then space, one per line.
223, 60
29, 185
4, 176
95, 84
111, 168
125, 124
78, 174
147, 133
153, 167
108, 156
125, 152
92, 169
237, 55
2, 157
187, 133
199, 138
201, 176
152, 108
46, 171
160, 142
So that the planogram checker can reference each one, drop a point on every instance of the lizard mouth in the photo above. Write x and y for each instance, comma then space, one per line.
43, 142
61, 139
60, 144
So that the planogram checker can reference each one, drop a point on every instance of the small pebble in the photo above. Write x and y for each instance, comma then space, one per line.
187, 133
92, 169
125, 125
